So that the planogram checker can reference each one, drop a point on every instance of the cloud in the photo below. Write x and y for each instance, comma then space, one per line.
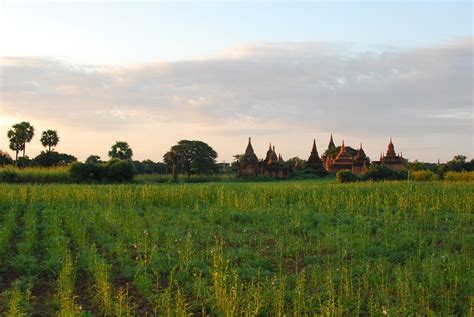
263, 89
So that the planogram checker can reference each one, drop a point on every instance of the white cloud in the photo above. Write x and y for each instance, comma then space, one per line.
314, 88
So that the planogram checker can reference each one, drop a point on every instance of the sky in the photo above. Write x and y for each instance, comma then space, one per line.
153, 73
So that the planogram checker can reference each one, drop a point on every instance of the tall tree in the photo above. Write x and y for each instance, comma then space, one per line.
172, 158
196, 156
121, 150
49, 139
20, 134
15, 143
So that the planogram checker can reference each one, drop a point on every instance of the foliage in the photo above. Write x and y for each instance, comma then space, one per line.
51, 158
93, 159
196, 157
381, 173
23, 162
150, 167
87, 172
20, 134
266, 249
49, 138
346, 177
458, 164
121, 171
121, 150
37, 175
113, 171
423, 176
459, 176
5, 158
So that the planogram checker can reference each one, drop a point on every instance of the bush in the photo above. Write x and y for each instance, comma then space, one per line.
459, 176
381, 173
48, 159
121, 171
88, 172
423, 176
8, 176
23, 162
5, 158
346, 177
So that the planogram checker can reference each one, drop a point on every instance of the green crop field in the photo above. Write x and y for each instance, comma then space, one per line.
278, 248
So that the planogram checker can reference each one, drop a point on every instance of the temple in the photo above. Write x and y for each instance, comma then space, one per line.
391, 159
342, 161
274, 165
314, 161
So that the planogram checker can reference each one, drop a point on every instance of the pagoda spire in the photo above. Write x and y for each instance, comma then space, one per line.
249, 150
331, 144
314, 146
391, 149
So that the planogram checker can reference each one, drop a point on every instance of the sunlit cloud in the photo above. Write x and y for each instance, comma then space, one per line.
268, 90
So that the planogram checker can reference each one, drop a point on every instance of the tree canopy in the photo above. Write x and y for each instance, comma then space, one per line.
20, 134
196, 156
121, 150
49, 139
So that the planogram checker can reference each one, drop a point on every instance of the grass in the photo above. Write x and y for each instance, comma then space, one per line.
228, 249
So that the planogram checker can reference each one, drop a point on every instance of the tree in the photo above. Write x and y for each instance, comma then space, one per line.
94, 159
172, 158
196, 156
121, 150
49, 139
15, 143
458, 164
20, 134
52, 158
5, 158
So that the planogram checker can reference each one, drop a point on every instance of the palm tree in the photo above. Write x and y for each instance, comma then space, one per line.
21, 134
49, 139
15, 144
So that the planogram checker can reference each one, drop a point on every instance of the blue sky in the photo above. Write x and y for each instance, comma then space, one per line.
280, 72
114, 33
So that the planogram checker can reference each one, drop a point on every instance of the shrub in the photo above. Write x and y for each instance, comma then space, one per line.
5, 158
423, 176
381, 173
121, 171
48, 159
23, 162
8, 176
459, 176
87, 172
346, 177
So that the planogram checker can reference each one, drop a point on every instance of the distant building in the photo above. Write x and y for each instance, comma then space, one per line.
391, 159
273, 164
248, 163
342, 161
314, 161
361, 162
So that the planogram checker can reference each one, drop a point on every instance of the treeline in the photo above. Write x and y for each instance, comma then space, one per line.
457, 169
188, 157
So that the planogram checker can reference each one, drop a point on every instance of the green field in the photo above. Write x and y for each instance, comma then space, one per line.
230, 249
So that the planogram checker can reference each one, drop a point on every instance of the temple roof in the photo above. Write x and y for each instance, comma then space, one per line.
273, 155
249, 153
331, 144
314, 156
391, 149
360, 155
